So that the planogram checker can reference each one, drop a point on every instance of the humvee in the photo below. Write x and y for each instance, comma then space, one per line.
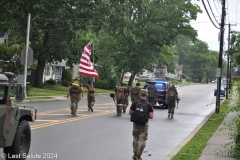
15, 132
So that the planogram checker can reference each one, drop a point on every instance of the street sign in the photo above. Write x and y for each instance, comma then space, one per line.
29, 58
218, 74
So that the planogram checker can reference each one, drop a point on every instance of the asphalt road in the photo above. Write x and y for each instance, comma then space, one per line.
102, 135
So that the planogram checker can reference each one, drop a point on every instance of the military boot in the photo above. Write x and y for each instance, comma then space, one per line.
168, 115
135, 155
172, 116
138, 158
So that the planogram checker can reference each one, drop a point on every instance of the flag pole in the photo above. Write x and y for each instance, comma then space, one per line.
93, 79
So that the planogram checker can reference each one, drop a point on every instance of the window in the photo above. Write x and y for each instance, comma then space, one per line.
47, 71
3, 90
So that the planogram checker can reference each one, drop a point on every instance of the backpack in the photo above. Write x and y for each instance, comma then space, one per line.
140, 115
90, 88
151, 91
120, 93
75, 89
135, 90
171, 93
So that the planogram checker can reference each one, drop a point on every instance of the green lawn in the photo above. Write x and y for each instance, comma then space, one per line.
58, 90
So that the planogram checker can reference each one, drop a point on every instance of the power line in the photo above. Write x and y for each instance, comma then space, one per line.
216, 7
209, 15
212, 11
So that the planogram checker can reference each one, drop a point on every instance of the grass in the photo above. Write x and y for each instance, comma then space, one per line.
193, 149
57, 90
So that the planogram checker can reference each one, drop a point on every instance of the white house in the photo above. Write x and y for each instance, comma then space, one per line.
3, 37
54, 71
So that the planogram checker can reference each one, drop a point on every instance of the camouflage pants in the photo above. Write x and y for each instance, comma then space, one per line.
151, 100
140, 135
90, 99
74, 103
126, 102
120, 108
171, 106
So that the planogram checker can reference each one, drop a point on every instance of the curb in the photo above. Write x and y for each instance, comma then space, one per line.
189, 137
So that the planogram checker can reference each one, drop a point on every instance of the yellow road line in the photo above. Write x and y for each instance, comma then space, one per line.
45, 120
63, 109
70, 120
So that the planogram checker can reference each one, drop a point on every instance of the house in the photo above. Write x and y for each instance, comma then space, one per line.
54, 71
3, 37
161, 71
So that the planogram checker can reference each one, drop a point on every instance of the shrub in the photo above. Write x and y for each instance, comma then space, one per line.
66, 77
50, 81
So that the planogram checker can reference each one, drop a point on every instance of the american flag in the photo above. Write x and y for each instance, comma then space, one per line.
85, 66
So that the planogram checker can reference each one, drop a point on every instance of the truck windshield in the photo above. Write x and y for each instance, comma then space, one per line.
2, 94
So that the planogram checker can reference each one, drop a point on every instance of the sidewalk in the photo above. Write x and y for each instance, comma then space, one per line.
215, 149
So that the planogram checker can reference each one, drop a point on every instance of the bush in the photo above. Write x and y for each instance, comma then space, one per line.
66, 77
50, 81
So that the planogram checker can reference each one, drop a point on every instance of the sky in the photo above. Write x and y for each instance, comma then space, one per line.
207, 32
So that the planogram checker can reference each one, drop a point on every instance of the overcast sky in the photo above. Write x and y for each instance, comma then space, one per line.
206, 30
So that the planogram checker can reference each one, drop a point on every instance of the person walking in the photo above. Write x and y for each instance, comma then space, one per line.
120, 94
75, 91
152, 94
135, 92
90, 96
172, 97
141, 110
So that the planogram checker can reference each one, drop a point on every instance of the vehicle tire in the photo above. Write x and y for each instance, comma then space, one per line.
21, 143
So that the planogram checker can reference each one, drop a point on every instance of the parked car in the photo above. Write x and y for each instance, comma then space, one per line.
159, 79
162, 88
143, 78
222, 92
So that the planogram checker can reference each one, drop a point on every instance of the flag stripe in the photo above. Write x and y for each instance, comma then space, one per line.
85, 66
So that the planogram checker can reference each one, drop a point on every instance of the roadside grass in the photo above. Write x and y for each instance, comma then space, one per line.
193, 149
57, 90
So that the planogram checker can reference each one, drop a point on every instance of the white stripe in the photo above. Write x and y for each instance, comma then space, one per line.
87, 50
83, 71
86, 67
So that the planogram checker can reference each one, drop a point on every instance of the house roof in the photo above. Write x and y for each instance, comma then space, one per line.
3, 34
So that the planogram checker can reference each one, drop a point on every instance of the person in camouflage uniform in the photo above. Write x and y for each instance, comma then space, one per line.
90, 96
140, 132
152, 94
135, 92
172, 97
76, 93
120, 95
126, 98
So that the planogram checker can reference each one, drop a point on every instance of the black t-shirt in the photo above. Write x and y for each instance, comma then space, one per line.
149, 105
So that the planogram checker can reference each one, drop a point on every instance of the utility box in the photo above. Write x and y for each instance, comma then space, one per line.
19, 92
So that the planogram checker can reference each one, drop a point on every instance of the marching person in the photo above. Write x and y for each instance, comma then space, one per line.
126, 99
140, 127
120, 94
152, 94
172, 97
75, 91
90, 96
135, 92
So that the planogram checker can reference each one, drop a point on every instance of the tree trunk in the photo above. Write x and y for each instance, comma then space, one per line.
131, 79
38, 78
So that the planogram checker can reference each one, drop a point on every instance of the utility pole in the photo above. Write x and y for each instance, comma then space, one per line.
219, 69
26, 57
228, 65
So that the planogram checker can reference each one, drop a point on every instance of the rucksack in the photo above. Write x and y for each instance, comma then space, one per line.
171, 93
75, 90
151, 91
90, 88
135, 90
120, 93
140, 115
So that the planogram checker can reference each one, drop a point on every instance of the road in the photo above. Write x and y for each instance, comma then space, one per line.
102, 135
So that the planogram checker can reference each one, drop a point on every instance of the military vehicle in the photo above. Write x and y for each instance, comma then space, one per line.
15, 132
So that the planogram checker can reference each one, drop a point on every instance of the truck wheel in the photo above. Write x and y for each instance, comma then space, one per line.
21, 143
